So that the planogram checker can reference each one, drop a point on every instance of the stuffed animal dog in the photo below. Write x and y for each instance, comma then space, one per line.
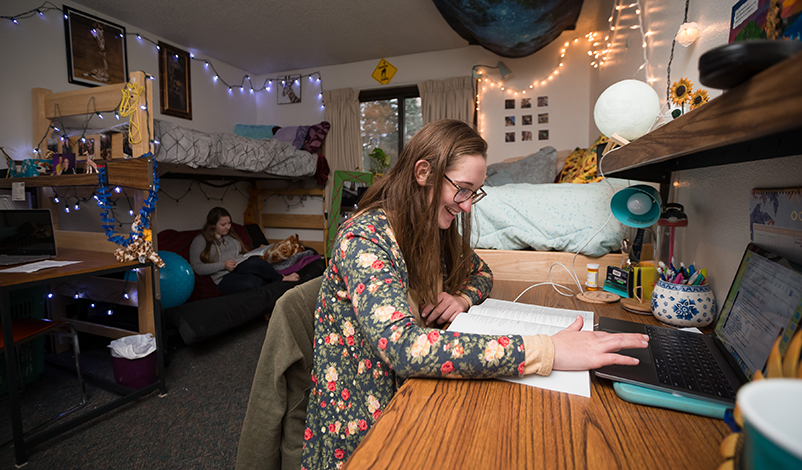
282, 250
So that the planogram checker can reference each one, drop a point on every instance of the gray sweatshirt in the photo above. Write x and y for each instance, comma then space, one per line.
227, 248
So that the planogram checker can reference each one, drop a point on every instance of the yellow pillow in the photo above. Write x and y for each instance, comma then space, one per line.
580, 165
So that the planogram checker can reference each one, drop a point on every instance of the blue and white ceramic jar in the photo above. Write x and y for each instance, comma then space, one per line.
683, 306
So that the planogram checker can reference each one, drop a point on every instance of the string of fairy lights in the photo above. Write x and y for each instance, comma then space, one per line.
599, 52
616, 22
245, 84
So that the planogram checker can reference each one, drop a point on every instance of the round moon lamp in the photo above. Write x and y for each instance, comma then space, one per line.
627, 108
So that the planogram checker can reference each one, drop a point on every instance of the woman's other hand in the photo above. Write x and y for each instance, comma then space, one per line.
447, 308
230, 265
587, 350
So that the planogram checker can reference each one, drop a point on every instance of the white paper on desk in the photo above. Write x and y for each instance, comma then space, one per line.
496, 317
33, 267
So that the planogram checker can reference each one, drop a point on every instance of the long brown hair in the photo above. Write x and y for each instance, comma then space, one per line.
413, 209
210, 235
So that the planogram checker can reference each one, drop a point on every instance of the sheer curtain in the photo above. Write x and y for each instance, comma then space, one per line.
450, 98
343, 143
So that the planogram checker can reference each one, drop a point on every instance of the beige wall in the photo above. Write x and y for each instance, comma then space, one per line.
716, 199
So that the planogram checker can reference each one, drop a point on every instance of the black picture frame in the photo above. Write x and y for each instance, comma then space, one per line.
96, 49
175, 81
288, 90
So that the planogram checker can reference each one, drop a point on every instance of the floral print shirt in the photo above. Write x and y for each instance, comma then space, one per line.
367, 340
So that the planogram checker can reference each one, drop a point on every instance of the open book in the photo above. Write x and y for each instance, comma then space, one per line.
499, 317
255, 252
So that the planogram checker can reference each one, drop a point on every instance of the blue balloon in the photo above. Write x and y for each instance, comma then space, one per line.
177, 279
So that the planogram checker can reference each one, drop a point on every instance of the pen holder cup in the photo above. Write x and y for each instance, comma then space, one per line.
682, 305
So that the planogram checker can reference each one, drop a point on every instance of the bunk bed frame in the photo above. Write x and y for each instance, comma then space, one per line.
133, 174
137, 175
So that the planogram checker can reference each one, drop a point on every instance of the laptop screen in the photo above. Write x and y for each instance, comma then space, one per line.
764, 303
26, 232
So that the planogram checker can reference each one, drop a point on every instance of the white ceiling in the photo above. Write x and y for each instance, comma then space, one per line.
270, 36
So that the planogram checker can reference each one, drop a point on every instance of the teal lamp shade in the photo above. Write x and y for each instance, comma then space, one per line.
636, 206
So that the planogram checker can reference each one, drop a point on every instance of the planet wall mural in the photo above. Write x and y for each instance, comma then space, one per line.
510, 28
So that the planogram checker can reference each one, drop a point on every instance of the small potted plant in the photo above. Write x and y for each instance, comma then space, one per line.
379, 161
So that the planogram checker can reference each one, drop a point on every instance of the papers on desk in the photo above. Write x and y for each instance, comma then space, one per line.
498, 317
33, 267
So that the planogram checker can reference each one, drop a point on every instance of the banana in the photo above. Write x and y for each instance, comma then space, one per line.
791, 360
727, 465
774, 366
727, 448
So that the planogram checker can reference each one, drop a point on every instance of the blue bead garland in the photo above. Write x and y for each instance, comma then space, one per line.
109, 222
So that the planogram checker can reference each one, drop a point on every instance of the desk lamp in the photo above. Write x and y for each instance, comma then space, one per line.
637, 206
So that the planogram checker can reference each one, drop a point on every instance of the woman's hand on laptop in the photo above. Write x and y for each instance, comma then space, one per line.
584, 350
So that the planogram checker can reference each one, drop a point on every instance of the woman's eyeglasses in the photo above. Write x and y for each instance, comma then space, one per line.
464, 194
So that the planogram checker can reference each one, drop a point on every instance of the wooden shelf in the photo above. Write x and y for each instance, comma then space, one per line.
127, 173
60, 180
759, 119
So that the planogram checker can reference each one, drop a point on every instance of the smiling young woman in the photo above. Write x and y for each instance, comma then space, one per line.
399, 267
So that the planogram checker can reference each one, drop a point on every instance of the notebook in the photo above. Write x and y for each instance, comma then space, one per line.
26, 235
764, 302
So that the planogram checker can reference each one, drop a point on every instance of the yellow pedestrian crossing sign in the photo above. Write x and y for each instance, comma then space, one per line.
384, 72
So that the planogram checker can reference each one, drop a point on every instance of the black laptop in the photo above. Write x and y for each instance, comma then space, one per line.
26, 235
764, 302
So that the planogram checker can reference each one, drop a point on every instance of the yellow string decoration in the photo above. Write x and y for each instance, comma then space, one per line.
128, 106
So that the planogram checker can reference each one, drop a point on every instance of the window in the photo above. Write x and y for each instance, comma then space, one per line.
388, 118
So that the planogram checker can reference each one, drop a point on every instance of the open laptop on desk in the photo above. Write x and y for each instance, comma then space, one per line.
26, 235
764, 302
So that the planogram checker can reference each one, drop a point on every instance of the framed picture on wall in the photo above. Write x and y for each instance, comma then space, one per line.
509, 120
509, 104
526, 136
543, 135
96, 49
509, 137
526, 120
543, 118
526, 103
289, 90
542, 101
175, 84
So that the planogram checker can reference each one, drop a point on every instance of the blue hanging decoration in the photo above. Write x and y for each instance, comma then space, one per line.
109, 222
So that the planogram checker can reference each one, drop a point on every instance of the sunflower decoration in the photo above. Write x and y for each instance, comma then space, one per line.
698, 98
681, 91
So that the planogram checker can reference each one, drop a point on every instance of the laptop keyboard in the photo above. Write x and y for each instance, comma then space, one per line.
683, 360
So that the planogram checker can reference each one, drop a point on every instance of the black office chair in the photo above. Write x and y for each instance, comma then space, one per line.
27, 329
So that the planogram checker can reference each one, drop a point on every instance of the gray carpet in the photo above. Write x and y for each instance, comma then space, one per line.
197, 425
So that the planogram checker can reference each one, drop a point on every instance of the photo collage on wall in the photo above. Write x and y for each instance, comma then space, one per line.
526, 118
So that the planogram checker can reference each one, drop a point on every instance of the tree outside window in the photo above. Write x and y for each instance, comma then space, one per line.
387, 125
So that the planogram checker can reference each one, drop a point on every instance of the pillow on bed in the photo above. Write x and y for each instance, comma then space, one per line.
580, 166
537, 168
315, 136
294, 135
254, 131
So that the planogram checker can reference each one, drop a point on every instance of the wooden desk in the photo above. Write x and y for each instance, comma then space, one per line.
92, 264
461, 424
